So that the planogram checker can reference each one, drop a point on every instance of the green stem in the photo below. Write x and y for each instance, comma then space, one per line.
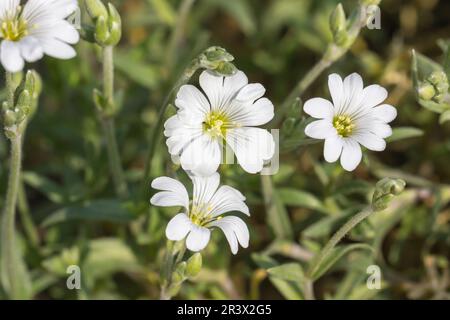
308, 289
166, 271
337, 237
25, 216
8, 220
108, 125
115, 163
10, 87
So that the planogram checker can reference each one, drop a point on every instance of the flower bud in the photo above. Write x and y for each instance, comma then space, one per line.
338, 26
194, 265
115, 26
385, 190
370, 2
218, 61
178, 276
101, 30
426, 91
96, 9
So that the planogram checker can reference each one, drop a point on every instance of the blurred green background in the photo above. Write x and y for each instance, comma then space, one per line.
75, 218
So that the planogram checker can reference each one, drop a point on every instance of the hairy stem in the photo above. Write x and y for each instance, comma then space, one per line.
337, 237
115, 162
9, 214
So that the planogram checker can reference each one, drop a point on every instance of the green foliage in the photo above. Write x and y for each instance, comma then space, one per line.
120, 244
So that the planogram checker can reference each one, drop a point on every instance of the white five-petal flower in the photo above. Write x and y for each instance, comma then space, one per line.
355, 117
39, 27
210, 202
230, 112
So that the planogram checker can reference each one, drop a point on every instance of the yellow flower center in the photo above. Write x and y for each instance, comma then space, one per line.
14, 27
200, 214
216, 124
344, 125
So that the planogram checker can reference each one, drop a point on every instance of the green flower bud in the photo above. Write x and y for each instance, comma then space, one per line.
370, 2
115, 26
194, 265
218, 61
178, 276
101, 31
426, 91
385, 190
96, 9
338, 26
9, 118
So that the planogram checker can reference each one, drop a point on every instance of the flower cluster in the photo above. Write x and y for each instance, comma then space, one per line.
227, 112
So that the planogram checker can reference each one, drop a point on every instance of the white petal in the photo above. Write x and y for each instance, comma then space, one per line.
204, 188
10, 56
227, 199
180, 133
319, 108
336, 87
174, 193
384, 112
252, 147
255, 114
178, 227
353, 88
381, 129
250, 93
235, 231
370, 141
191, 100
221, 90
66, 32
332, 148
198, 238
31, 49
8, 5
203, 156
373, 95
351, 155
57, 49
320, 129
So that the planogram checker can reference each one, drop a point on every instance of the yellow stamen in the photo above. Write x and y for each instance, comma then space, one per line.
344, 125
14, 27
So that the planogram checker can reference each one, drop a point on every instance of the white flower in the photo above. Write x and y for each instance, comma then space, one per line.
37, 28
355, 117
232, 110
204, 212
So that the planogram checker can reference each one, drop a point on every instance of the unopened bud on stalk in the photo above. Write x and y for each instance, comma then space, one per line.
338, 26
217, 60
194, 265
108, 24
435, 87
370, 2
96, 9
385, 190
26, 96
426, 91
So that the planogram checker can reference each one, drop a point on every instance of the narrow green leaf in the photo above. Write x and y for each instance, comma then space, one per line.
99, 210
299, 198
402, 133
289, 272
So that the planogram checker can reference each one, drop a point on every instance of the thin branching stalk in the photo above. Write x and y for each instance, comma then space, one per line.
327, 249
9, 214
108, 125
